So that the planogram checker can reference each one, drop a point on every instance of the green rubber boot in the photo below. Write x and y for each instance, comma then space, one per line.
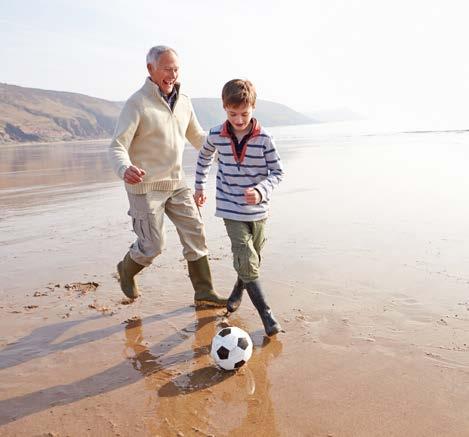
127, 269
201, 278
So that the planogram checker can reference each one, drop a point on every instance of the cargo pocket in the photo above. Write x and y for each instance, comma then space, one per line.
140, 224
246, 262
237, 262
148, 225
259, 237
150, 242
259, 249
261, 246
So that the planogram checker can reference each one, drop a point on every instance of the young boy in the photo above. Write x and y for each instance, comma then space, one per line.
248, 170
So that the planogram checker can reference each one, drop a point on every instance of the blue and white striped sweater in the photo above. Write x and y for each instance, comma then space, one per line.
261, 169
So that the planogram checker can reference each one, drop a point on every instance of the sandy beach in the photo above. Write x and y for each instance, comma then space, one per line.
366, 267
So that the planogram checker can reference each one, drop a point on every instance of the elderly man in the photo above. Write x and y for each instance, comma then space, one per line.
146, 152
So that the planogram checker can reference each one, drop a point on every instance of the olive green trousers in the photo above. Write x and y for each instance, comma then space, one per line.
247, 241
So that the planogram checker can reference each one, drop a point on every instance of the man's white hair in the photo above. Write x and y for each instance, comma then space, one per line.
155, 53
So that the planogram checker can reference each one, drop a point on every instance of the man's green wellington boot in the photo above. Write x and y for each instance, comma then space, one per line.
201, 278
127, 269
271, 325
234, 301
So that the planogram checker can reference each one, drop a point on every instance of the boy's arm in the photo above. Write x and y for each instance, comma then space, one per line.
204, 162
275, 168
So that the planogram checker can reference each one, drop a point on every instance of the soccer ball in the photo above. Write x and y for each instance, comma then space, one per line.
231, 348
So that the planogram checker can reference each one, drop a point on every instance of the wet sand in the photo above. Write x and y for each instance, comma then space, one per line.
366, 268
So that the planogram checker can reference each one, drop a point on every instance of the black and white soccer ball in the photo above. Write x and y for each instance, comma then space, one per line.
231, 348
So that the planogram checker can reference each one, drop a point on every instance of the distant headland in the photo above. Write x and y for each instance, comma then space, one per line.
36, 115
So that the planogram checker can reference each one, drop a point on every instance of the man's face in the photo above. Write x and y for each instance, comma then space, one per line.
239, 117
166, 72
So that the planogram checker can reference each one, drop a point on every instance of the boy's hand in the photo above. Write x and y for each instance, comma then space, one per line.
133, 175
200, 197
252, 196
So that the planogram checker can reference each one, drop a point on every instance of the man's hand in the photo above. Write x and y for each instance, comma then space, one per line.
200, 197
134, 175
252, 196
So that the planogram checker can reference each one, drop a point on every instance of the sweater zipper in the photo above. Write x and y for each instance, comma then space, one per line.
238, 160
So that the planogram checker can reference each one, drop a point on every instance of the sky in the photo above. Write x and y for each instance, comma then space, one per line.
382, 59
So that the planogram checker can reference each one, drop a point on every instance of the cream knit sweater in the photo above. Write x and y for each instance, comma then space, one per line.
152, 137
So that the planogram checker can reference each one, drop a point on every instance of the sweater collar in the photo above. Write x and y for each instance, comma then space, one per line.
153, 89
256, 129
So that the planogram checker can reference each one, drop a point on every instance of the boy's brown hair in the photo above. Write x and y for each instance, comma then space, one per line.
238, 92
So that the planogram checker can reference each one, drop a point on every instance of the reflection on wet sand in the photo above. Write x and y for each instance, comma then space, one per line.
33, 175
42, 343
239, 406
23, 167
256, 398
150, 361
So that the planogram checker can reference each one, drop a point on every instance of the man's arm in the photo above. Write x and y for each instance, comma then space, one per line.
204, 162
126, 127
194, 133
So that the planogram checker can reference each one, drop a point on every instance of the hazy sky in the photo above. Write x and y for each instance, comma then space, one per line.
399, 59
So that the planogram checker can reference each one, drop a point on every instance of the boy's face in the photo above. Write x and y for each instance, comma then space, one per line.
239, 117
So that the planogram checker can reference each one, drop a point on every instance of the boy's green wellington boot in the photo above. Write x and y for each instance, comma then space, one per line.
127, 269
234, 301
271, 325
201, 278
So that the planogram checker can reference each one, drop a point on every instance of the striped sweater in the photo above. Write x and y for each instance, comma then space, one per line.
258, 166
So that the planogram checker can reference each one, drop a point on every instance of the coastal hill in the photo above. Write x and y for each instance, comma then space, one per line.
35, 115
210, 113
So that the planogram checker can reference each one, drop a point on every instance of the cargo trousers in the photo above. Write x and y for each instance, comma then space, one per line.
147, 212
247, 241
